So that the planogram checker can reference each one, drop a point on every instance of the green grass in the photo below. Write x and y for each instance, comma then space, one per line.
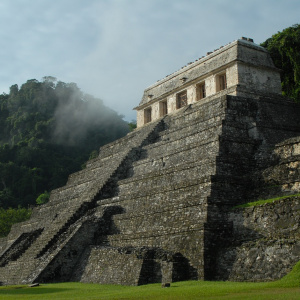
288, 288
271, 200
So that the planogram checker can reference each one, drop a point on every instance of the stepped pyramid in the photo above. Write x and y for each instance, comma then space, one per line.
156, 205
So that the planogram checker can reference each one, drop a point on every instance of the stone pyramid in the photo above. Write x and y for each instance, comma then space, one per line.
158, 204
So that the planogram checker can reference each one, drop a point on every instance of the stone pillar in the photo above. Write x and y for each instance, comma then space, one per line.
166, 271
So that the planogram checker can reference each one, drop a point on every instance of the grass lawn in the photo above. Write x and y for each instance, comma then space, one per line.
288, 288
179, 290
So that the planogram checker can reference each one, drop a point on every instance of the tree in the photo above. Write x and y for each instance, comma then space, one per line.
284, 48
11, 216
132, 125
48, 130
43, 198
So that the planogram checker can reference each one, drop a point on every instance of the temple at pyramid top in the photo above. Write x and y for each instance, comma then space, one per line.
239, 68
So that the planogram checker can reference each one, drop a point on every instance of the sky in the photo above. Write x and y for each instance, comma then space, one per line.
114, 49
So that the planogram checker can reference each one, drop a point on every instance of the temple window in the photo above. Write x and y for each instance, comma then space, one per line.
181, 99
163, 108
147, 115
221, 82
200, 91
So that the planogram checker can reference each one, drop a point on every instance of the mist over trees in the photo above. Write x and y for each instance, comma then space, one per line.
284, 48
48, 130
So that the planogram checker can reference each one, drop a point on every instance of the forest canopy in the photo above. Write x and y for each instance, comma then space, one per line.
284, 48
48, 129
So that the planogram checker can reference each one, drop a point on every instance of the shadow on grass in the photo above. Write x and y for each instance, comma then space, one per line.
11, 290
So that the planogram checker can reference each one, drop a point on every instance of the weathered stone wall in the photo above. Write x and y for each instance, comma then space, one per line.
255, 77
251, 131
284, 175
131, 266
107, 265
265, 242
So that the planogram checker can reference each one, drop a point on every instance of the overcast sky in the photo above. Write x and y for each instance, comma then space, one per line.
114, 49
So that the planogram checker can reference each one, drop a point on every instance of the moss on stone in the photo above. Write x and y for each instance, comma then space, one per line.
264, 201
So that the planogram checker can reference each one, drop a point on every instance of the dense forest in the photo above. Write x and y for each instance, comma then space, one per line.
284, 48
48, 130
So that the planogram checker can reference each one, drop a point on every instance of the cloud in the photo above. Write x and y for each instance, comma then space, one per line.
41, 36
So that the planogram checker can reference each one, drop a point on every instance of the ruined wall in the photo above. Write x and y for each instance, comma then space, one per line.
253, 134
258, 78
107, 266
265, 242
130, 266
286, 164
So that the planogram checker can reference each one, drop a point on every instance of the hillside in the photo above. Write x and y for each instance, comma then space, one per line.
48, 130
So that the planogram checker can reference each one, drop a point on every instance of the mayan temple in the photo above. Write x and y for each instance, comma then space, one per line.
159, 205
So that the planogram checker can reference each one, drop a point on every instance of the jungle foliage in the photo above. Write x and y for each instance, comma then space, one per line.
284, 48
10, 216
48, 129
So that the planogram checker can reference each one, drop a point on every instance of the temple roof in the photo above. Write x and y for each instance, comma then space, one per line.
242, 50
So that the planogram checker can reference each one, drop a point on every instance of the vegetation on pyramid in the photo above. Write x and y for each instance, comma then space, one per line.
284, 48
